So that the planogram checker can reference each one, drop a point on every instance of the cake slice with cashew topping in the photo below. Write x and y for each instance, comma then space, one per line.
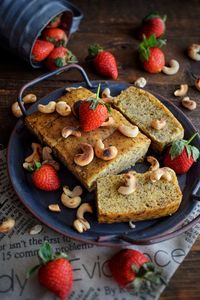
109, 149
136, 197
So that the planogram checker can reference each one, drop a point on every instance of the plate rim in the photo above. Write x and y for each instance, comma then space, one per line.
79, 238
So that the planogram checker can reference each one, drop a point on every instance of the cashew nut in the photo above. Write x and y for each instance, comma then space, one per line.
173, 69
140, 82
36, 229
16, 110
106, 96
67, 131
34, 157
30, 98
7, 225
47, 109
69, 89
86, 157
77, 191
188, 103
197, 84
70, 202
109, 122
105, 153
130, 185
154, 163
106, 93
63, 108
83, 208
81, 225
48, 158
194, 52
182, 91
129, 131
54, 207
71, 199
160, 173
158, 124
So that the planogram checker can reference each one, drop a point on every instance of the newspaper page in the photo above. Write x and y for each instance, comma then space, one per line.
92, 278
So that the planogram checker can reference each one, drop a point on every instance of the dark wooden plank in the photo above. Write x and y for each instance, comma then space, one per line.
113, 24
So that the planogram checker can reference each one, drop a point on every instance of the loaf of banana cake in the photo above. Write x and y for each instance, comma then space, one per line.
150, 115
149, 199
48, 128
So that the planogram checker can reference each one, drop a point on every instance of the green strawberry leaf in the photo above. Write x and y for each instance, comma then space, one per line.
135, 268
71, 58
148, 43
32, 270
54, 19
50, 39
195, 152
176, 148
45, 253
94, 50
59, 62
188, 150
60, 255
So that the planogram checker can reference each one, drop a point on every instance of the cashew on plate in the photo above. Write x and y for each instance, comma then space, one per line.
103, 153
160, 173
154, 163
130, 185
87, 155
81, 224
158, 124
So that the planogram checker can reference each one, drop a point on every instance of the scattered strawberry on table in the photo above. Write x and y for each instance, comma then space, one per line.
55, 271
55, 36
180, 156
60, 57
92, 112
132, 270
103, 61
45, 177
152, 24
41, 50
151, 56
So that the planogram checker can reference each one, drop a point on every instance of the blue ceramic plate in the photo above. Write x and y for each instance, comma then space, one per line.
37, 201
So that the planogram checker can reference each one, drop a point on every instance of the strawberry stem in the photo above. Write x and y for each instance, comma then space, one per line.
192, 137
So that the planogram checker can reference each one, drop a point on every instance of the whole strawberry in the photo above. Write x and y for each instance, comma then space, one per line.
151, 55
180, 156
133, 270
103, 61
41, 50
45, 177
92, 113
55, 22
56, 36
60, 57
152, 24
55, 271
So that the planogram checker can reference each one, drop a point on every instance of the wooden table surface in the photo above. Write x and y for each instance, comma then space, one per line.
113, 24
